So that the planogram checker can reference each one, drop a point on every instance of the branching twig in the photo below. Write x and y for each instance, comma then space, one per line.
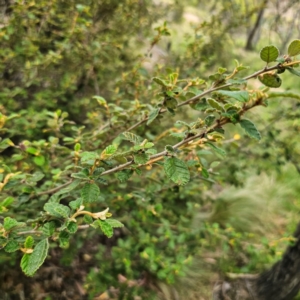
51, 191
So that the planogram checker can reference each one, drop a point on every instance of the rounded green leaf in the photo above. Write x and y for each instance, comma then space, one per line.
177, 170
141, 158
39, 160
271, 80
269, 53
294, 48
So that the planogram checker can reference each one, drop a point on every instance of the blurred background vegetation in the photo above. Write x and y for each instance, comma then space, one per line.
178, 241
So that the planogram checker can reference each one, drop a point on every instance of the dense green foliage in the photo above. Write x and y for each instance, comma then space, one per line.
98, 139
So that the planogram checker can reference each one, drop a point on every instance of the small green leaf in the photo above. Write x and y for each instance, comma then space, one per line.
171, 103
250, 129
148, 145
177, 170
269, 53
12, 246
7, 201
160, 81
80, 175
209, 120
88, 219
114, 223
151, 151
131, 137
214, 104
63, 239
32, 150
9, 223
241, 96
270, 80
72, 227
90, 193
89, 157
76, 203
101, 101
200, 105
205, 173
141, 158
184, 124
106, 228
108, 151
294, 48
170, 149
152, 115
293, 71
29, 242
49, 228
124, 175
57, 209
4, 144
37, 176
218, 150
31, 262
77, 147
39, 160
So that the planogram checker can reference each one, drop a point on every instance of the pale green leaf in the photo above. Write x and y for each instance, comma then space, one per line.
214, 104
176, 170
250, 129
90, 193
241, 96
294, 71
89, 157
152, 115
80, 175
160, 81
131, 137
108, 151
57, 209
114, 223
269, 53
294, 48
218, 150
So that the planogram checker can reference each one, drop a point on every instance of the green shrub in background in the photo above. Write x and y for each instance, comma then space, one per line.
91, 139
